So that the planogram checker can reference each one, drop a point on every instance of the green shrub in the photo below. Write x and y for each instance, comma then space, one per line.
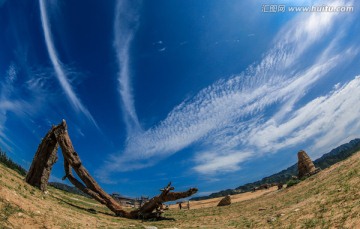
292, 183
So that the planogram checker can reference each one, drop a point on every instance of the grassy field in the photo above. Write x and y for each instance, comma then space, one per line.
329, 199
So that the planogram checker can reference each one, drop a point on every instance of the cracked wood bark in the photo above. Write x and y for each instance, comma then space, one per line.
147, 210
43, 161
79, 185
59, 136
72, 159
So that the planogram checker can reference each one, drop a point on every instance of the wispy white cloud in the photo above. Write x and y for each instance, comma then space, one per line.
162, 49
330, 119
213, 162
8, 103
23, 100
58, 67
259, 134
125, 26
255, 112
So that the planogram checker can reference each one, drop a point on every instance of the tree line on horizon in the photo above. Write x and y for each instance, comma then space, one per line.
5, 160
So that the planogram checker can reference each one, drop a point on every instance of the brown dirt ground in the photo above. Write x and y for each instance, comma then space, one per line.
234, 199
329, 199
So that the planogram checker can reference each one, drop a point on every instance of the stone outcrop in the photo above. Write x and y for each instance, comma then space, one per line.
225, 201
305, 166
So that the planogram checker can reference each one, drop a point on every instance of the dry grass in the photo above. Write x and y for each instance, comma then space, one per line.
330, 199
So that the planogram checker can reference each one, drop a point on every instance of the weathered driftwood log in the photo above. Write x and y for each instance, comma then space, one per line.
46, 157
154, 204
43, 161
72, 159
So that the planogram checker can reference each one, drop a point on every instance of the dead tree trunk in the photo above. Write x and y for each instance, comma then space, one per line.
154, 204
44, 159
72, 160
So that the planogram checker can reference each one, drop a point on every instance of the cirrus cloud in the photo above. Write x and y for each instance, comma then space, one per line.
257, 111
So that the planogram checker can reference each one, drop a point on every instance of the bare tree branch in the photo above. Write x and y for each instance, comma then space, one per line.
46, 156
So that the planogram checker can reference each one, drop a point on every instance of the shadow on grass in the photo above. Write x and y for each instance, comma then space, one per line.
90, 210
161, 218
93, 211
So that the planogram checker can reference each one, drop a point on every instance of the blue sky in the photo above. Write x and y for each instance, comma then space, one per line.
208, 94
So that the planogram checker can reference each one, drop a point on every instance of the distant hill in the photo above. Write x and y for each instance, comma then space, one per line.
338, 154
67, 188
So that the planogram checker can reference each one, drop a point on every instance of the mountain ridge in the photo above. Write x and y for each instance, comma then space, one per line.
335, 155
